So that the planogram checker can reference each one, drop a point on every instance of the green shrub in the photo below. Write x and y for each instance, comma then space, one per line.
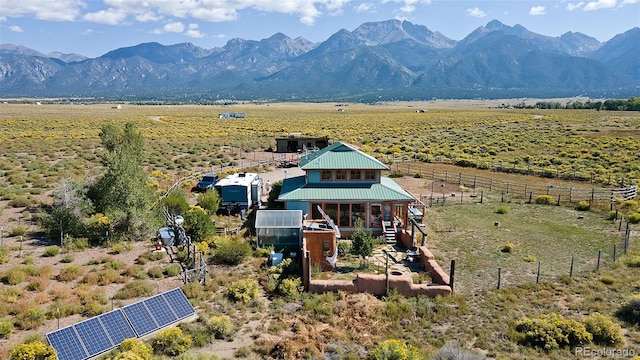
17, 231
66, 259
607, 280
220, 326
395, 349
195, 291
136, 288
453, 350
242, 352
630, 310
544, 200
33, 351
242, 290
136, 347
290, 289
509, 247
502, 210
171, 342
583, 206
612, 215
633, 217
29, 319
4, 255
6, 328
209, 200
552, 331
603, 330
51, 251
75, 243
529, 258
120, 248
630, 204
231, 251
155, 272
69, 273
344, 247
632, 261
173, 270
14, 276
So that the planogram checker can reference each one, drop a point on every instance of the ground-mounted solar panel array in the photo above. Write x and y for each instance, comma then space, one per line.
104, 332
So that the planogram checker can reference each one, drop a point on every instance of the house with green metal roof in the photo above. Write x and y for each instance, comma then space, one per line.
347, 184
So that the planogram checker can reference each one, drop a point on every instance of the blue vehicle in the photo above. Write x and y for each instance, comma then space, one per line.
207, 182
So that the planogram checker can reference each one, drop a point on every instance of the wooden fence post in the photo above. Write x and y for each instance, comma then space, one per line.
538, 276
499, 277
452, 274
598, 263
571, 268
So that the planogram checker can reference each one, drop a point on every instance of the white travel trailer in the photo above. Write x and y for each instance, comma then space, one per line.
240, 191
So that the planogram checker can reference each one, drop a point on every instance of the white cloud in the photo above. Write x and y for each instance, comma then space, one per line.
476, 12
600, 4
194, 32
363, 7
572, 6
628, 2
537, 10
108, 17
172, 27
16, 28
59, 10
408, 6
87, 32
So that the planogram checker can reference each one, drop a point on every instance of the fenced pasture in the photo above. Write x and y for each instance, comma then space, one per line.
41, 144
522, 244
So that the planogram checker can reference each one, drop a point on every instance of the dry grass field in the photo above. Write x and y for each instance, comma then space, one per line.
45, 286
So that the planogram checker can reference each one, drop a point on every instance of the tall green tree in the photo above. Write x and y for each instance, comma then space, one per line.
122, 193
361, 241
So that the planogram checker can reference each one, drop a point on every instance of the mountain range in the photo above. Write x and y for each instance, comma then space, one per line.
388, 60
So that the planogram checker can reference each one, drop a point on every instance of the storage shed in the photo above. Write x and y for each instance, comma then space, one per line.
280, 229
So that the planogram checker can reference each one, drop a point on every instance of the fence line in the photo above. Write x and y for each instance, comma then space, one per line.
560, 193
401, 161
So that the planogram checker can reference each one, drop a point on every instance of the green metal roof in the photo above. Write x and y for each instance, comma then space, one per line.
387, 189
340, 156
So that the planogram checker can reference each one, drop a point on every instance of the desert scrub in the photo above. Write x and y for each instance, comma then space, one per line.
171, 342
630, 310
14, 276
17, 231
231, 251
290, 288
583, 206
172, 270
552, 331
544, 200
220, 326
632, 261
69, 273
603, 330
30, 318
51, 251
155, 272
529, 258
502, 210
508, 248
395, 349
137, 348
4, 255
633, 217
136, 288
243, 291
33, 350
6, 328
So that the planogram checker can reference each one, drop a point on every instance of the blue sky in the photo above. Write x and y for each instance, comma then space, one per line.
94, 27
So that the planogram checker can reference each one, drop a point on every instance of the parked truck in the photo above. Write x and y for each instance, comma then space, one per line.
240, 191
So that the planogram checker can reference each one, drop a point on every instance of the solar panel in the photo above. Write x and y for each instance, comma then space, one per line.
160, 310
94, 336
101, 333
179, 303
117, 326
140, 318
67, 344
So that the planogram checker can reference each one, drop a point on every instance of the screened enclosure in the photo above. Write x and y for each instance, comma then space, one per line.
279, 229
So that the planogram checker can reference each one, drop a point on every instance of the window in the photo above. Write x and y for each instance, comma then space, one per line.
315, 214
357, 212
326, 175
355, 175
344, 215
341, 174
370, 175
